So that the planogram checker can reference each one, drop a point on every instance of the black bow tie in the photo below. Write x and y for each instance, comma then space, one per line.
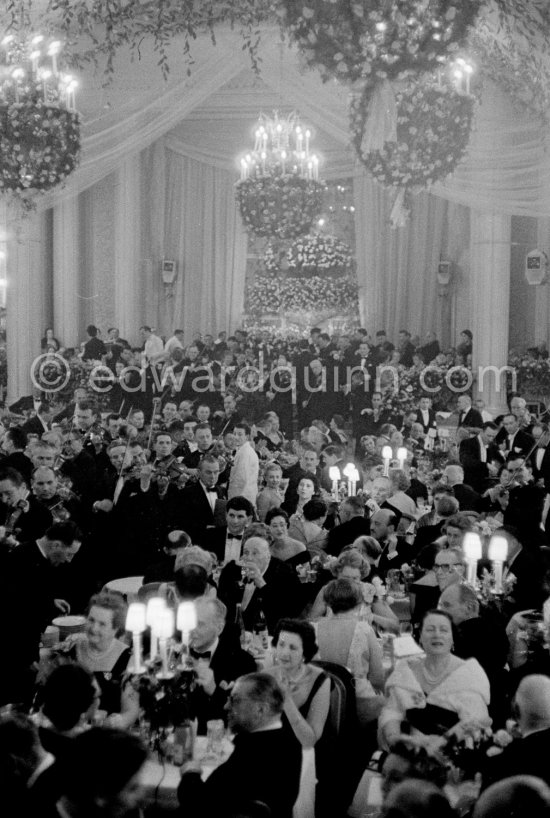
196, 655
235, 537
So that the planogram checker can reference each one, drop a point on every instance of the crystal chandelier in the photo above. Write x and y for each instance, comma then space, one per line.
39, 124
279, 192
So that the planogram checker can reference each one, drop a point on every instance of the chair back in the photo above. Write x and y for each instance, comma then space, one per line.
342, 713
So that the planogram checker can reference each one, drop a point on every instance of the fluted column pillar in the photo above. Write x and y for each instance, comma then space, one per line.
542, 301
26, 271
490, 271
127, 247
67, 294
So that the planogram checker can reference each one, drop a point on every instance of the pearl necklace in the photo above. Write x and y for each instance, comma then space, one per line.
434, 679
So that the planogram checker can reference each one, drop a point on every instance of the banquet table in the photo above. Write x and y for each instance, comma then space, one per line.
161, 779
127, 586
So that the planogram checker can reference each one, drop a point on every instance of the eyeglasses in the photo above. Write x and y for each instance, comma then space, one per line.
445, 567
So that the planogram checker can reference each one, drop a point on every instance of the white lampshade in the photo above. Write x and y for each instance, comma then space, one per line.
154, 606
187, 617
349, 470
334, 473
387, 452
164, 626
135, 618
472, 546
498, 548
354, 476
402, 453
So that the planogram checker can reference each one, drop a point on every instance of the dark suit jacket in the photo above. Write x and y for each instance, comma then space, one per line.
30, 525
33, 426
264, 766
526, 756
544, 472
280, 597
468, 499
213, 539
476, 473
522, 443
431, 420
472, 418
345, 533
21, 463
197, 511
228, 662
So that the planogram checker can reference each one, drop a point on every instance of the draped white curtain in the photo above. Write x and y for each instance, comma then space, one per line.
396, 269
194, 220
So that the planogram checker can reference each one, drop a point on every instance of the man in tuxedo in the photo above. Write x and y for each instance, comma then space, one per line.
528, 755
264, 767
425, 415
481, 458
204, 506
406, 348
540, 459
14, 444
374, 418
226, 541
468, 417
395, 551
22, 516
468, 499
218, 660
79, 467
34, 573
512, 439
228, 419
271, 586
41, 422
353, 524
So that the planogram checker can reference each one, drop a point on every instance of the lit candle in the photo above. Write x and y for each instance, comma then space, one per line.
498, 552
468, 69
348, 472
186, 621
35, 56
263, 157
154, 607
44, 76
283, 160
299, 139
135, 623
308, 134
386, 455
334, 475
165, 630
402, 456
472, 552
53, 51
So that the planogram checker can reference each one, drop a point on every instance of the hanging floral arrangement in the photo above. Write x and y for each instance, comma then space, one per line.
279, 206
292, 294
434, 122
377, 39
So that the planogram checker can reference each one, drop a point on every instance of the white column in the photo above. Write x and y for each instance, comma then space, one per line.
67, 295
26, 266
127, 247
490, 282
542, 301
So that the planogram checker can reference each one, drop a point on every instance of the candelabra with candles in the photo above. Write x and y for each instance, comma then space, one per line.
281, 147
279, 192
39, 124
165, 679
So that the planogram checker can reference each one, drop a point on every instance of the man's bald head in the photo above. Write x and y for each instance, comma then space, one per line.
533, 702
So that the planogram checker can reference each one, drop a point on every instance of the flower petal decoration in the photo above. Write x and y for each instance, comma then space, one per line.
434, 123
283, 206
380, 39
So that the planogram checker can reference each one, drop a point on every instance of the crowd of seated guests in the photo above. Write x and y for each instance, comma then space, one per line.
234, 506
